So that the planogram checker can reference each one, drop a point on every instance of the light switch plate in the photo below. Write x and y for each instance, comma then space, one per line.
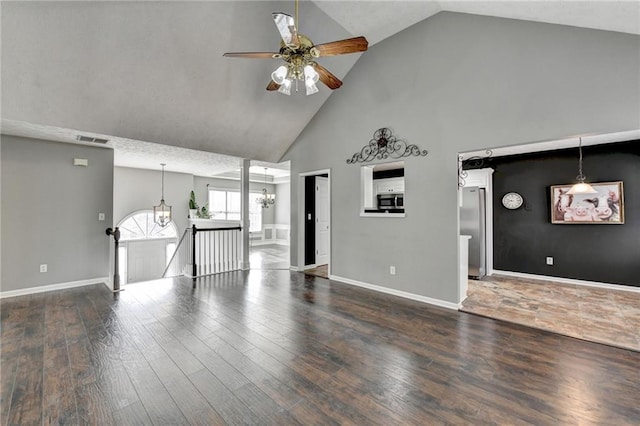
100, 216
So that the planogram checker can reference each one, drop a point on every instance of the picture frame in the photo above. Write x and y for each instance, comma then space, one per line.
605, 207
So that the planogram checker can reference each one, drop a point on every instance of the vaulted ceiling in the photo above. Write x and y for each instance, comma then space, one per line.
154, 71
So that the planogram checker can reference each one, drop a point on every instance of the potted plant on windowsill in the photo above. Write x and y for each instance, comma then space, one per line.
193, 206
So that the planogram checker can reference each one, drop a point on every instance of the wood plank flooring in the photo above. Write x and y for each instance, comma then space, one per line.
279, 347
600, 315
321, 271
269, 256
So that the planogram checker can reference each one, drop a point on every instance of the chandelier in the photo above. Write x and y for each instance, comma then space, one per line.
162, 212
266, 199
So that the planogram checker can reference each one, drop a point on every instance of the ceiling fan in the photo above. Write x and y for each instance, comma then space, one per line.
299, 54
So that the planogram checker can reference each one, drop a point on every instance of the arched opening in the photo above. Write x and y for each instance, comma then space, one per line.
145, 247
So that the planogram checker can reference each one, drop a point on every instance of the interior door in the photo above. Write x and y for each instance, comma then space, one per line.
146, 260
322, 220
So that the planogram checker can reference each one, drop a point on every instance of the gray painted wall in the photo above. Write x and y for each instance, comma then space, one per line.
450, 84
50, 212
283, 204
140, 189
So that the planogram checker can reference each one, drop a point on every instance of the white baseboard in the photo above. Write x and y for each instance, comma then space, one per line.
568, 281
255, 243
52, 287
293, 268
412, 296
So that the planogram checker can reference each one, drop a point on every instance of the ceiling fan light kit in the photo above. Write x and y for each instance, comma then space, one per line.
299, 54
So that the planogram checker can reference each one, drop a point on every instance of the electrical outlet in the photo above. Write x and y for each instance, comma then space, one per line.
392, 270
549, 260
43, 267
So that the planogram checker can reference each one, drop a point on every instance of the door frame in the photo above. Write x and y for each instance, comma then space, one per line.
301, 217
317, 222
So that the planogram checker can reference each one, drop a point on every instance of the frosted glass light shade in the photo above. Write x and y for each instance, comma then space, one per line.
310, 74
582, 188
285, 87
279, 75
311, 88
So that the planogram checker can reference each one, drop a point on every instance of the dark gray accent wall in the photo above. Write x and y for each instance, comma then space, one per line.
450, 84
523, 238
50, 212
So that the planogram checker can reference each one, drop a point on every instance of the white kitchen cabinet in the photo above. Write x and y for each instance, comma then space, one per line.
389, 185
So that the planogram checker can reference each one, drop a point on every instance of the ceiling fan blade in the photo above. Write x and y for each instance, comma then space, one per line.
341, 47
256, 55
272, 86
287, 28
330, 80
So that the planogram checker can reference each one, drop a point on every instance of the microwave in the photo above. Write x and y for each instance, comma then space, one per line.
390, 201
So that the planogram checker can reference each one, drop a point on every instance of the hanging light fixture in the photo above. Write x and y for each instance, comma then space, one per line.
581, 187
266, 199
299, 65
162, 212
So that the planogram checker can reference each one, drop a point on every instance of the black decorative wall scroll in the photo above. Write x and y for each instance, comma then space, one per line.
384, 145
475, 162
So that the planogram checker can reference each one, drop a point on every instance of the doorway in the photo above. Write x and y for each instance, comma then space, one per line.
269, 221
315, 238
145, 247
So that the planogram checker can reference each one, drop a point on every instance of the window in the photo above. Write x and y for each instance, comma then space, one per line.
225, 205
140, 226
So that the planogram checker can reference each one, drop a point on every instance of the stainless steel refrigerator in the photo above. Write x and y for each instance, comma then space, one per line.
473, 222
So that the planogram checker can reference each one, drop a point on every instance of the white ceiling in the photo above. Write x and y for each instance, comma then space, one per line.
154, 71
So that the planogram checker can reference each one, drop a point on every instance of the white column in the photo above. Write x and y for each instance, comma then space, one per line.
244, 196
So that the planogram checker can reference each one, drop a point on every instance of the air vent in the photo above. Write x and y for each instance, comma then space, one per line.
81, 138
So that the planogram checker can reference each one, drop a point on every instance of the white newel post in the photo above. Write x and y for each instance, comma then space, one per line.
244, 195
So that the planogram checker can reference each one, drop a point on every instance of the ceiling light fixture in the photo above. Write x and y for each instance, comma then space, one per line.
299, 55
581, 187
299, 64
162, 212
266, 199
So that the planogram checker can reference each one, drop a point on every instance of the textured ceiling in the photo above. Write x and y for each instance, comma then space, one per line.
154, 71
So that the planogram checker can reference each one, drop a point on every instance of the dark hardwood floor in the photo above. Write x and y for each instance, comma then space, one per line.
279, 347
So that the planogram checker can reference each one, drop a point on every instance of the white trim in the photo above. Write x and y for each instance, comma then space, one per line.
301, 216
260, 238
293, 268
396, 215
399, 293
258, 243
568, 281
550, 145
315, 172
52, 287
306, 267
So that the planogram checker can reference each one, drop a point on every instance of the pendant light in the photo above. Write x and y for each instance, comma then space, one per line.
265, 199
162, 212
581, 187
